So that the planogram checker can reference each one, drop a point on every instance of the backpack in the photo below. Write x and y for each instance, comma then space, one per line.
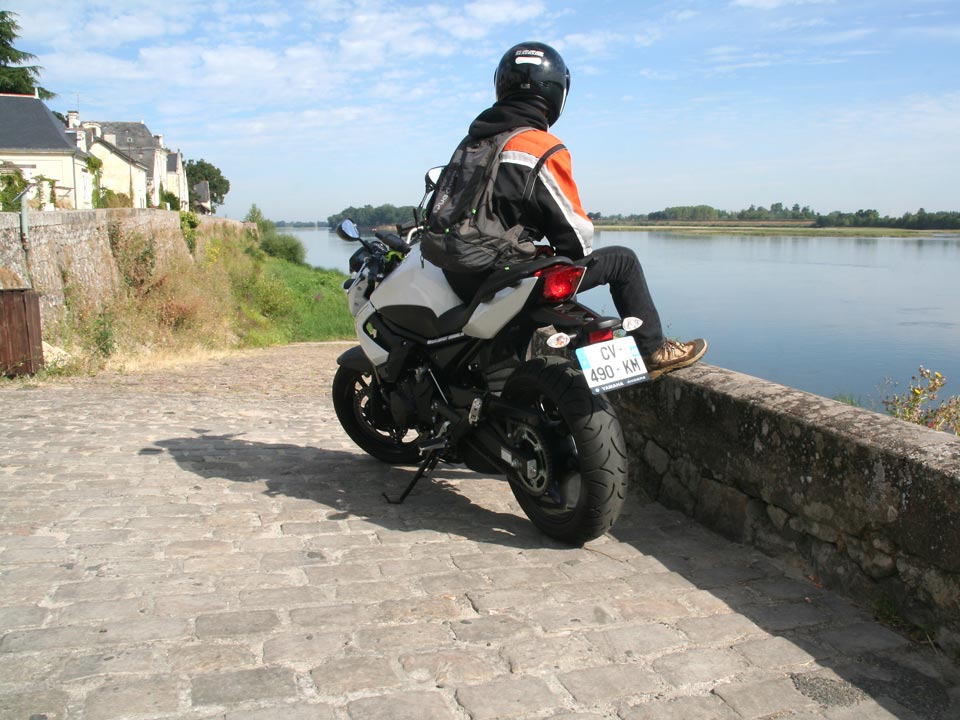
463, 234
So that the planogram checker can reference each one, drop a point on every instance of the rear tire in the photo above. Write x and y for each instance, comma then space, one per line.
580, 451
362, 414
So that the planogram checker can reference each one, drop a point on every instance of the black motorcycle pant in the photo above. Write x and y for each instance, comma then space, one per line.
619, 268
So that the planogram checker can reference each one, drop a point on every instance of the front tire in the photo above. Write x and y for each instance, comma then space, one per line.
579, 489
363, 414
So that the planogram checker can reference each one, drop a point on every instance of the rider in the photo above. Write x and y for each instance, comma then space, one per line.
532, 83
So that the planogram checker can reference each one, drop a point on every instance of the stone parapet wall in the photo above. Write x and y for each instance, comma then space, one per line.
862, 501
72, 249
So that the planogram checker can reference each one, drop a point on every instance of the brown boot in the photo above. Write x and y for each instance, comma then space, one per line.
673, 354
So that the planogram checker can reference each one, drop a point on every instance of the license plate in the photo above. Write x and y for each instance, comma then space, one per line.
612, 364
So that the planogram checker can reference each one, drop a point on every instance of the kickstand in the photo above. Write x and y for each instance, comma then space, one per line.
428, 464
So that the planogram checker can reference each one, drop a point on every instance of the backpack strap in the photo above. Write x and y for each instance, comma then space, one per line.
535, 173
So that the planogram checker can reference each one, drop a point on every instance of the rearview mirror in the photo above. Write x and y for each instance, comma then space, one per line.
348, 230
432, 177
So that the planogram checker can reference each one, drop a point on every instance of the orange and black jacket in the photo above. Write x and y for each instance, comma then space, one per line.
535, 186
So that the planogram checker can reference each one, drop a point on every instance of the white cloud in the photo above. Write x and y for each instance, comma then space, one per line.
788, 24
479, 19
774, 4
503, 12
595, 43
841, 37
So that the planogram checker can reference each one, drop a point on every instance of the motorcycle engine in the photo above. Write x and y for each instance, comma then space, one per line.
411, 398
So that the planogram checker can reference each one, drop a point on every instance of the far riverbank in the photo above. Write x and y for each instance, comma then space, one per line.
771, 230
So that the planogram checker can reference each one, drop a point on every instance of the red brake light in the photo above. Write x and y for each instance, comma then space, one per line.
600, 335
560, 282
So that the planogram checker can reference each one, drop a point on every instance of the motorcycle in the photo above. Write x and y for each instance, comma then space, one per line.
436, 379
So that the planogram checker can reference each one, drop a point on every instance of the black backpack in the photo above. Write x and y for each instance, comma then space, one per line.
463, 234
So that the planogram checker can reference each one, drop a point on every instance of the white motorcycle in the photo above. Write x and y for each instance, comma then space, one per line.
435, 379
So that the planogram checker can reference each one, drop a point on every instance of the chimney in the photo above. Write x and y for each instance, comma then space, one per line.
159, 139
73, 119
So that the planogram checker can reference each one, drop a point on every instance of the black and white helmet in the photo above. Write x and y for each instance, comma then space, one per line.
537, 70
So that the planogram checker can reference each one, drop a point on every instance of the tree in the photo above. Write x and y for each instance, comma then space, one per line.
15, 77
255, 215
198, 170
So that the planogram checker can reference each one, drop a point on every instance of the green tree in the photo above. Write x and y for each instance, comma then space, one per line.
255, 215
370, 217
16, 77
198, 170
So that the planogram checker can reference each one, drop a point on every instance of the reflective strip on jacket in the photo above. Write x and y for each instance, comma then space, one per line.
554, 210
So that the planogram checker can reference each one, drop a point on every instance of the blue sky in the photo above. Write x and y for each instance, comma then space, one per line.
309, 106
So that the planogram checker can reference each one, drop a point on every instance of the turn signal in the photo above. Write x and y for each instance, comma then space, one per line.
560, 282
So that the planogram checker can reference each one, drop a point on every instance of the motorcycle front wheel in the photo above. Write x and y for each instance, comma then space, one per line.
578, 487
363, 414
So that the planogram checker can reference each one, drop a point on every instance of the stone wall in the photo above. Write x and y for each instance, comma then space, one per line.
861, 501
72, 249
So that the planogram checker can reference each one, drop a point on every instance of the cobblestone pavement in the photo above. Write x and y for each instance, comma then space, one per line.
207, 543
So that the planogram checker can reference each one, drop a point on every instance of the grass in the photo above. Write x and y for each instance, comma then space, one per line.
318, 305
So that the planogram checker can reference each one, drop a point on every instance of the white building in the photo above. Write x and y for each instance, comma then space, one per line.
33, 140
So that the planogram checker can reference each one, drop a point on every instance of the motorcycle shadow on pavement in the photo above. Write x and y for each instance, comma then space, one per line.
348, 485
844, 657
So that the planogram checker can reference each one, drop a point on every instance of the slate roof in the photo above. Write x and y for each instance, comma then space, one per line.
27, 124
130, 135
134, 139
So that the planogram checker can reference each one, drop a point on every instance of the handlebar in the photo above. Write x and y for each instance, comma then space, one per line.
392, 241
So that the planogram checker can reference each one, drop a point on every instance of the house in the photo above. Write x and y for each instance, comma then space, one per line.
135, 141
177, 179
119, 172
133, 162
33, 140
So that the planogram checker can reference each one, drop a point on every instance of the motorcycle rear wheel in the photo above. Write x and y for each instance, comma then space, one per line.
362, 414
579, 449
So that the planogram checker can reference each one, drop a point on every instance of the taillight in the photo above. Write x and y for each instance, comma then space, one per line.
560, 282
596, 336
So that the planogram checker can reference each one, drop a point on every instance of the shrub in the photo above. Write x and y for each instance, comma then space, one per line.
916, 405
111, 199
12, 183
189, 222
172, 199
285, 247
135, 255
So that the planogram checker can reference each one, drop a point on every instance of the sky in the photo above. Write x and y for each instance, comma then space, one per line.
311, 106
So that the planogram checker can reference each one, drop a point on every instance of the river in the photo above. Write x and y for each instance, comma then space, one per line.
829, 315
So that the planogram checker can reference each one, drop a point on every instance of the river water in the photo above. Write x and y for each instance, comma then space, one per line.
829, 315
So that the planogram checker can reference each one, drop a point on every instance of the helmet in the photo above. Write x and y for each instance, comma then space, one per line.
534, 69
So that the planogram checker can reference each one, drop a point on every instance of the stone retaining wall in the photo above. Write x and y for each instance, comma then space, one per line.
72, 248
864, 502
